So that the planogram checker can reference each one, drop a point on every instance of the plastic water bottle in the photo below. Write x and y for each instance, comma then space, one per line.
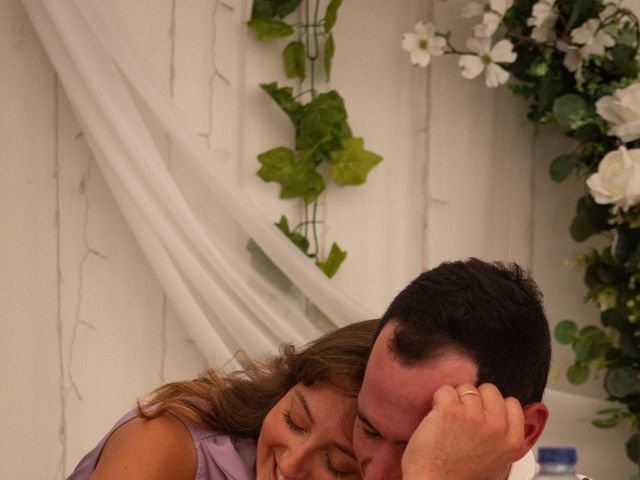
556, 464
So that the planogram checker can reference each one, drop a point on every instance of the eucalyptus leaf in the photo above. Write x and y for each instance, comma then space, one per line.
625, 245
633, 448
331, 15
351, 165
294, 60
268, 29
578, 373
568, 108
565, 332
605, 422
331, 265
562, 166
613, 318
622, 382
581, 11
329, 50
622, 61
590, 347
591, 218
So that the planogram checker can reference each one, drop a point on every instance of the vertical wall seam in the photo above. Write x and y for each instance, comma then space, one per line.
62, 423
241, 93
532, 217
426, 173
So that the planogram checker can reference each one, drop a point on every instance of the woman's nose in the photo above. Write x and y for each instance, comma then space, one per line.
294, 463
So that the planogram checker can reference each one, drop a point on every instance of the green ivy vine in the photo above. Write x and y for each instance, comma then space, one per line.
323, 138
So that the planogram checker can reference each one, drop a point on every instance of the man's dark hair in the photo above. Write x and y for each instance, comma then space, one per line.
489, 311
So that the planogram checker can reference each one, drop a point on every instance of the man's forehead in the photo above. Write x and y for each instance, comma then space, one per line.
395, 396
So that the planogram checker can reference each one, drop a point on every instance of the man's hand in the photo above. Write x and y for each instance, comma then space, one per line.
470, 434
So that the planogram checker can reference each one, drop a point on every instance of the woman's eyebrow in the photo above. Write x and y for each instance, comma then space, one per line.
305, 406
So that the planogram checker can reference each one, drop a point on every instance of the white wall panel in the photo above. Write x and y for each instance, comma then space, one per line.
85, 327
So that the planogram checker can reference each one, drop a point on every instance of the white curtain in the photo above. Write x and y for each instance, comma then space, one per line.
221, 275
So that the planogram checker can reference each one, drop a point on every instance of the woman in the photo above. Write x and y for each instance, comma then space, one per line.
289, 418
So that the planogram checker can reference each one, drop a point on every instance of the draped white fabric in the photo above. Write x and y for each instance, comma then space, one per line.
226, 289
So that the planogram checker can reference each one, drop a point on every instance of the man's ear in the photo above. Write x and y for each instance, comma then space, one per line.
535, 418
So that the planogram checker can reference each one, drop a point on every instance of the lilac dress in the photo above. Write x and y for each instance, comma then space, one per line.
219, 457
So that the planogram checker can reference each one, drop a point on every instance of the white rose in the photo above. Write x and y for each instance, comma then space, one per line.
617, 180
622, 111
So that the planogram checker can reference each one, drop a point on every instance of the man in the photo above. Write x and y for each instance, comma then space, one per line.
457, 354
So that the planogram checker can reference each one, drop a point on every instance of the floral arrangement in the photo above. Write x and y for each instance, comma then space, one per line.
576, 63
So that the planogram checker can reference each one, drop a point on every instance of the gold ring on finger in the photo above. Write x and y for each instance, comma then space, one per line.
470, 392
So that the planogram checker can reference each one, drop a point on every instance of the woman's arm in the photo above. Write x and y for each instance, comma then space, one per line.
153, 449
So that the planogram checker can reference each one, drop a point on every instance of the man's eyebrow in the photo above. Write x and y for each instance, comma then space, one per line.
305, 406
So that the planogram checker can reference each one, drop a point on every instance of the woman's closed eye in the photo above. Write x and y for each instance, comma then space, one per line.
293, 426
339, 471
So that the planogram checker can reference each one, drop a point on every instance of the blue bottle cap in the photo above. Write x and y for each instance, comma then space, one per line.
548, 455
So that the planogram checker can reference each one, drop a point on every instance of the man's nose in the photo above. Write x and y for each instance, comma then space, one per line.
385, 464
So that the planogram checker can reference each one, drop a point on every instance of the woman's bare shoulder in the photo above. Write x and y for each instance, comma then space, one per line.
148, 450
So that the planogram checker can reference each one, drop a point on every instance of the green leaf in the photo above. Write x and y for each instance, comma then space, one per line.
608, 411
294, 60
605, 422
285, 7
565, 332
591, 344
331, 265
568, 109
633, 448
635, 476
322, 120
261, 9
561, 166
578, 373
591, 218
299, 240
613, 318
625, 244
284, 98
622, 382
581, 11
268, 29
329, 50
331, 15
351, 165
294, 171
273, 8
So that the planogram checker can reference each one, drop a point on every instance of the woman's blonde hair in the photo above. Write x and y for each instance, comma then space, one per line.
236, 404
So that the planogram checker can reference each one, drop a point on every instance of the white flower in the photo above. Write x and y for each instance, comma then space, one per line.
572, 59
487, 58
622, 111
607, 298
543, 20
609, 10
475, 9
594, 41
423, 44
617, 180
492, 13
